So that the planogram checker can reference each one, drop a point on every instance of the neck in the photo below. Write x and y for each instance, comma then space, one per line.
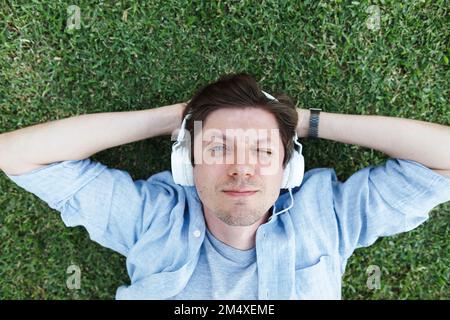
238, 237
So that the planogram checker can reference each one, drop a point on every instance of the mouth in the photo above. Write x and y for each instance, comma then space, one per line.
240, 193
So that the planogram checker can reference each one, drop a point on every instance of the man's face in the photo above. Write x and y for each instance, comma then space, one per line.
248, 156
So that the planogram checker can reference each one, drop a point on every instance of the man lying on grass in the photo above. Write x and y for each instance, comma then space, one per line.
223, 226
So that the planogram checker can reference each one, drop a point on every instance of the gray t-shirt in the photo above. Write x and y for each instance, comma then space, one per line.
222, 272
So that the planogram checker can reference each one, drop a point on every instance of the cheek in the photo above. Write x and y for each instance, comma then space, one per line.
273, 183
205, 178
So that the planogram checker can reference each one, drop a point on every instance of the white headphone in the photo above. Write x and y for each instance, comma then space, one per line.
182, 170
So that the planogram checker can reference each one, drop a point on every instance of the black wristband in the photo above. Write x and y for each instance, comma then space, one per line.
313, 131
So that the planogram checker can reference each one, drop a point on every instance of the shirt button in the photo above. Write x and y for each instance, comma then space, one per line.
197, 233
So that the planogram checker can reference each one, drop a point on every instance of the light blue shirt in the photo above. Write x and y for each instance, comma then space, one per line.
301, 253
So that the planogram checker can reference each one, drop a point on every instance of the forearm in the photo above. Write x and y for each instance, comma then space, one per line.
424, 142
80, 137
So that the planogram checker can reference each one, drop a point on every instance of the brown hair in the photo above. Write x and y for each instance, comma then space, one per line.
242, 90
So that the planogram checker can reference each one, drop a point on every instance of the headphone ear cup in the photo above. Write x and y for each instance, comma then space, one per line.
297, 170
175, 164
188, 170
286, 175
293, 173
182, 170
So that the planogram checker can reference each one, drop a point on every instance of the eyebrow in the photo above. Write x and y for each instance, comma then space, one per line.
224, 137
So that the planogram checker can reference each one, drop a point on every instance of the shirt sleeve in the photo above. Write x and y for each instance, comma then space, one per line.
385, 200
106, 201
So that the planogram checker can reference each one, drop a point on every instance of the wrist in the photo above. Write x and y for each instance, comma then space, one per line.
171, 117
303, 123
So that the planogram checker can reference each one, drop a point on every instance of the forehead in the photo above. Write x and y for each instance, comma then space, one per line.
240, 118
249, 124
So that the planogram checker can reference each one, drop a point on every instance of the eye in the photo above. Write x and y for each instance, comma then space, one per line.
217, 148
269, 152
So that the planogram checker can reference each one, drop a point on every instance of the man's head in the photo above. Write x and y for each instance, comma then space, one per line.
249, 133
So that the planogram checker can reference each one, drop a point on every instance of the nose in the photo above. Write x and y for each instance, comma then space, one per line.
243, 165
241, 170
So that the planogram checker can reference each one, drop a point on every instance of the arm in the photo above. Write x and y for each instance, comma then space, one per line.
424, 142
79, 137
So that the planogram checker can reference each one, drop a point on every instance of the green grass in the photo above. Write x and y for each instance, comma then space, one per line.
321, 53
